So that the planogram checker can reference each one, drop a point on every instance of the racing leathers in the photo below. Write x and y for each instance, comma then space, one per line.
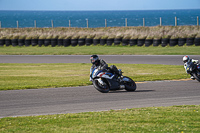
101, 64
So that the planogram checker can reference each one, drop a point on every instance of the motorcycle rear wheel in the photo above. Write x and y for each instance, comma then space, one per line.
131, 85
197, 77
101, 88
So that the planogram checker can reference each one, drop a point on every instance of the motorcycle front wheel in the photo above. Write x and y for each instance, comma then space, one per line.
130, 85
196, 76
101, 88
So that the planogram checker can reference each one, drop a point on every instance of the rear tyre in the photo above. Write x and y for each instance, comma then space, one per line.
196, 76
101, 88
130, 85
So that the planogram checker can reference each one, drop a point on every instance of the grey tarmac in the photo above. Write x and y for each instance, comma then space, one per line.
126, 59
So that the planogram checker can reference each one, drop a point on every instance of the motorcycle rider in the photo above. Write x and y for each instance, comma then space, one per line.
186, 59
101, 64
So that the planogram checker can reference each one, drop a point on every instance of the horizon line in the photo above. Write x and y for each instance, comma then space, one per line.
107, 10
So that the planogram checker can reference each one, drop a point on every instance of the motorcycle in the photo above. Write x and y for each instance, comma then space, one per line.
105, 81
193, 69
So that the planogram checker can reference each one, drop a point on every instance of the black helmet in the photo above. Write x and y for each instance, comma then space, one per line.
94, 59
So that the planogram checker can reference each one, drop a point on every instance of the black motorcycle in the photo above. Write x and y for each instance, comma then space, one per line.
193, 69
105, 81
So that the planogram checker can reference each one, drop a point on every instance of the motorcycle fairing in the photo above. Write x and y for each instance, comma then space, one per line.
102, 74
114, 85
126, 79
106, 75
190, 67
198, 67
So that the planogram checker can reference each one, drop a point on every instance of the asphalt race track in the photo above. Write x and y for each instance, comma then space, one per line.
86, 98
127, 59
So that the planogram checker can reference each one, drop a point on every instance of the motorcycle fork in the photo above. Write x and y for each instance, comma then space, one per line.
101, 81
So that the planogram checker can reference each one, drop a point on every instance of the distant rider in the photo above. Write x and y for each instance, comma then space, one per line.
186, 59
101, 65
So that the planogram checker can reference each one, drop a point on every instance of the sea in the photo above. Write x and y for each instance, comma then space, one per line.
93, 19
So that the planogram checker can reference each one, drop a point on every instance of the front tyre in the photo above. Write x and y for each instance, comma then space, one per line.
101, 88
196, 76
130, 85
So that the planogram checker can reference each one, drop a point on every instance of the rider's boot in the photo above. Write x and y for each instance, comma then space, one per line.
192, 77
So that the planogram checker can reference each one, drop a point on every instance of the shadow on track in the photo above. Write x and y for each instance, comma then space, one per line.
124, 91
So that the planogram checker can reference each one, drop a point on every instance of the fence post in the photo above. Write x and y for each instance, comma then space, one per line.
69, 23
126, 22
160, 21
197, 20
35, 24
52, 23
105, 23
175, 21
87, 23
143, 22
17, 24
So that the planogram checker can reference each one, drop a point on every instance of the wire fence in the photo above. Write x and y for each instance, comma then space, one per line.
87, 23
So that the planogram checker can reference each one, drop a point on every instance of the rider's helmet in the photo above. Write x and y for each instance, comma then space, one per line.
186, 59
94, 59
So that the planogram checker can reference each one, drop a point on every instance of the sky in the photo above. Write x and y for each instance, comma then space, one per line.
85, 5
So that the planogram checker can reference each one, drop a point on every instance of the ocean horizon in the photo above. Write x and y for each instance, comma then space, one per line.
113, 18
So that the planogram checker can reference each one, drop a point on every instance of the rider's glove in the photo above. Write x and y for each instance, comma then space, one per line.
99, 68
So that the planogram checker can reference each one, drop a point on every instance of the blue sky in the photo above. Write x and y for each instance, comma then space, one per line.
98, 4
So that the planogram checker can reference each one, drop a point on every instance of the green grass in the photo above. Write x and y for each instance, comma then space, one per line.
179, 119
101, 50
25, 76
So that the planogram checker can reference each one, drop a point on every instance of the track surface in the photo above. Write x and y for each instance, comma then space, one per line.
83, 99
129, 59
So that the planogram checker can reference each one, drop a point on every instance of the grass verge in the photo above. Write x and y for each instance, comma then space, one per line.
101, 50
152, 119
15, 76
